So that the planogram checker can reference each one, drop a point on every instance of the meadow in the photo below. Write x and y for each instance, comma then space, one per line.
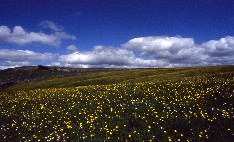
186, 104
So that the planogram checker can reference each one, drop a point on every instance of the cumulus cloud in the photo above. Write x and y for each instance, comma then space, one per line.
12, 64
147, 45
14, 58
72, 48
179, 51
102, 56
158, 47
20, 36
220, 48
99, 55
24, 55
220, 51
158, 51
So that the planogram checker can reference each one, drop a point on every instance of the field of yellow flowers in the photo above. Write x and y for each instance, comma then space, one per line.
199, 108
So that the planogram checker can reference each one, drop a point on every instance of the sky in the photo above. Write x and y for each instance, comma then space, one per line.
116, 33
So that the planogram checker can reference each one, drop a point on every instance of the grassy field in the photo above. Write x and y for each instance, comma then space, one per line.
183, 104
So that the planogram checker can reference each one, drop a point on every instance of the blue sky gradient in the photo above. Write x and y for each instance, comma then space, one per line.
111, 24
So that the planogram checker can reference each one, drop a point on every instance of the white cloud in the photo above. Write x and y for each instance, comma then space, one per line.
24, 55
220, 51
55, 64
158, 43
72, 48
99, 55
12, 64
220, 48
160, 47
155, 51
10, 58
179, 51
102, 56
51, 25
21, 37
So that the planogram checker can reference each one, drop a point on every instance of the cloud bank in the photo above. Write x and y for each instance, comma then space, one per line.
102, 56
176, 51
20, 36
141, 52
13, 58
156, 51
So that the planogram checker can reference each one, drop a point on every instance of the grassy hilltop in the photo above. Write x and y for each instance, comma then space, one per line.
83, 77
180, 104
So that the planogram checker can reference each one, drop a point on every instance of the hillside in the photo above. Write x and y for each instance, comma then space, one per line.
32, 78
181, 104
34, 74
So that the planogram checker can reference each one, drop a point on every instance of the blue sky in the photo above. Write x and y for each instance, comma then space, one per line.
116, 33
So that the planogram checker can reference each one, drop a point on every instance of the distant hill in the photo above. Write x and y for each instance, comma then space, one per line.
34, 77
10, 77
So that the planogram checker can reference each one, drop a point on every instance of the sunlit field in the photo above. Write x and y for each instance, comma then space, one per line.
197, 108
